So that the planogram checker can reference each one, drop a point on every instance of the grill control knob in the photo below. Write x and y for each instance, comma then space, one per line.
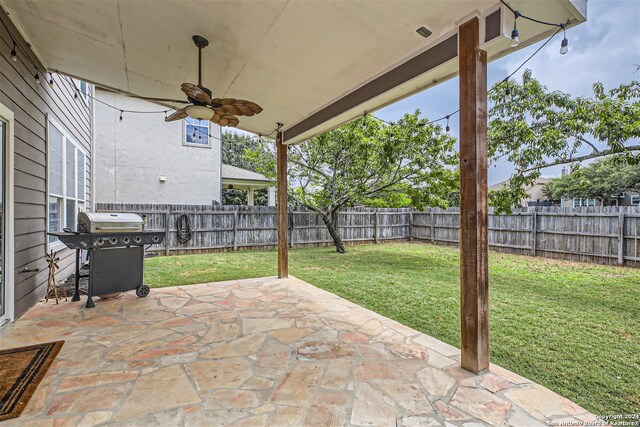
155, 239
137, 239
125, 240
99, 241
113, 241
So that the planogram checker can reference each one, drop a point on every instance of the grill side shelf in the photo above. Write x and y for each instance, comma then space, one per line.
108, 240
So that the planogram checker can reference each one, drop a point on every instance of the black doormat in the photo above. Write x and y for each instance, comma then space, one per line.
21, 370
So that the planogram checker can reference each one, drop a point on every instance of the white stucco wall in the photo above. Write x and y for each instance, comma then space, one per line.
132, 154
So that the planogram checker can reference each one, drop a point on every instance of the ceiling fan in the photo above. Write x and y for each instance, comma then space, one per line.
202, 106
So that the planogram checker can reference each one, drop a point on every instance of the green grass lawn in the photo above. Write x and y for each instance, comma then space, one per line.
572, 327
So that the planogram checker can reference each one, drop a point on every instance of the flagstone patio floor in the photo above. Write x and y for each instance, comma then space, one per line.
261, 352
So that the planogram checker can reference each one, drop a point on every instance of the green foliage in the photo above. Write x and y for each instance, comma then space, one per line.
240, 150
541, 128
407, 163
249, 153
601, 179
239, 197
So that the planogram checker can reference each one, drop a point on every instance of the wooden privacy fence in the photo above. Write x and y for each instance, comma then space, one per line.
600, 235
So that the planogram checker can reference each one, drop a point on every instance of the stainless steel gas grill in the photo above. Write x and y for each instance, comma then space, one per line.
115, 243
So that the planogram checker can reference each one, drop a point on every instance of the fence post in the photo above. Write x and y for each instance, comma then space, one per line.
235, 230
290, 229
433, 239
166, 232
621, 238
375, 227
534, 231
411, 226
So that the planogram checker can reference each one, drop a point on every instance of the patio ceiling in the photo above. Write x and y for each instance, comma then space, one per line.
300, 60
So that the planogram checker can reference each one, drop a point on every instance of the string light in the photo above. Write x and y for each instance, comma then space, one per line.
505, 81
37, 77
564, 45
448, 129
507, 92
121, 115
515, 34
515, 39
50, 80
14, 54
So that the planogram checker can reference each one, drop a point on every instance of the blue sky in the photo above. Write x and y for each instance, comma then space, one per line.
602, 49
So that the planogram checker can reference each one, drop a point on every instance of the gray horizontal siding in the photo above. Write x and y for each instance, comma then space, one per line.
31, 104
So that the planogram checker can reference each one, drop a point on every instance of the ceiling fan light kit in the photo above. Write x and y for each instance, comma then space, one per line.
199, 112
203, 106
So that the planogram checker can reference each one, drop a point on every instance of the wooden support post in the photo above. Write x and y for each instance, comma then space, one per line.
283, 194
375, 228
166, 232
474, 248
235, 230
621, 238
534, 231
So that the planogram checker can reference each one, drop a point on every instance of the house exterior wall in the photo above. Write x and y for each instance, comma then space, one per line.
33, 105
132, 154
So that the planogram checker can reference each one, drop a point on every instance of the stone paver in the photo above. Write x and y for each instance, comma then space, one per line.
261, 352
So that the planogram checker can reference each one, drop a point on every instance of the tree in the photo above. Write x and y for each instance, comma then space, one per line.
238, 150
602, 179
406, 163
370, 161
539, 128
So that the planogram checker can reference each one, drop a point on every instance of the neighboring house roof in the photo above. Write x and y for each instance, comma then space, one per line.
238, 174
539, 181
533, 191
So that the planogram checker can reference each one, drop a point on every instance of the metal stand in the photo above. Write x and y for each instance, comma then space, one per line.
76, 295
78, 292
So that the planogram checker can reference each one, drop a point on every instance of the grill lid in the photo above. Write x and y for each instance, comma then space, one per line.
105, 222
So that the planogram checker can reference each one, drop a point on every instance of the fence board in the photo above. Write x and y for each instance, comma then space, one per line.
608, 235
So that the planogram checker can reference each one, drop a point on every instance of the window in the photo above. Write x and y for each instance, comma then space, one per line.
196, 132
67, 181
84, 88
635, 200
578, 202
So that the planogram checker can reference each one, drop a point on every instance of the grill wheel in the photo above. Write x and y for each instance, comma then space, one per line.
142, 291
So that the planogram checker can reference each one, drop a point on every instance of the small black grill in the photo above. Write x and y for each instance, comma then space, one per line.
115, 243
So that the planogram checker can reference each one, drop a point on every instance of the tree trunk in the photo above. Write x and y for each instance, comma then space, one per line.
332, 226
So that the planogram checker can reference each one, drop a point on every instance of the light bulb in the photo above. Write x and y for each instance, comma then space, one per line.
37, 77
14, 54
515, 40
507, 95
448, 129
564, 46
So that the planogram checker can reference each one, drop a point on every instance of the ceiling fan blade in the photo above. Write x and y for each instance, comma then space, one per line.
224, 119
237, 107
195, 92
177, 115
146, 98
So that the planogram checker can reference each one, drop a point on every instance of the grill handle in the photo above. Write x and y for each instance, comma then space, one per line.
119, 228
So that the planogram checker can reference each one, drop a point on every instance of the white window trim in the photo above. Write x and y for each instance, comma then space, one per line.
191, 144
86, 94
636, 198
56, 246
583, 202
8, 221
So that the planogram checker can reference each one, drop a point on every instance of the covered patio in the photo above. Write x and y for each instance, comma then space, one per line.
279, 351
262, 352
